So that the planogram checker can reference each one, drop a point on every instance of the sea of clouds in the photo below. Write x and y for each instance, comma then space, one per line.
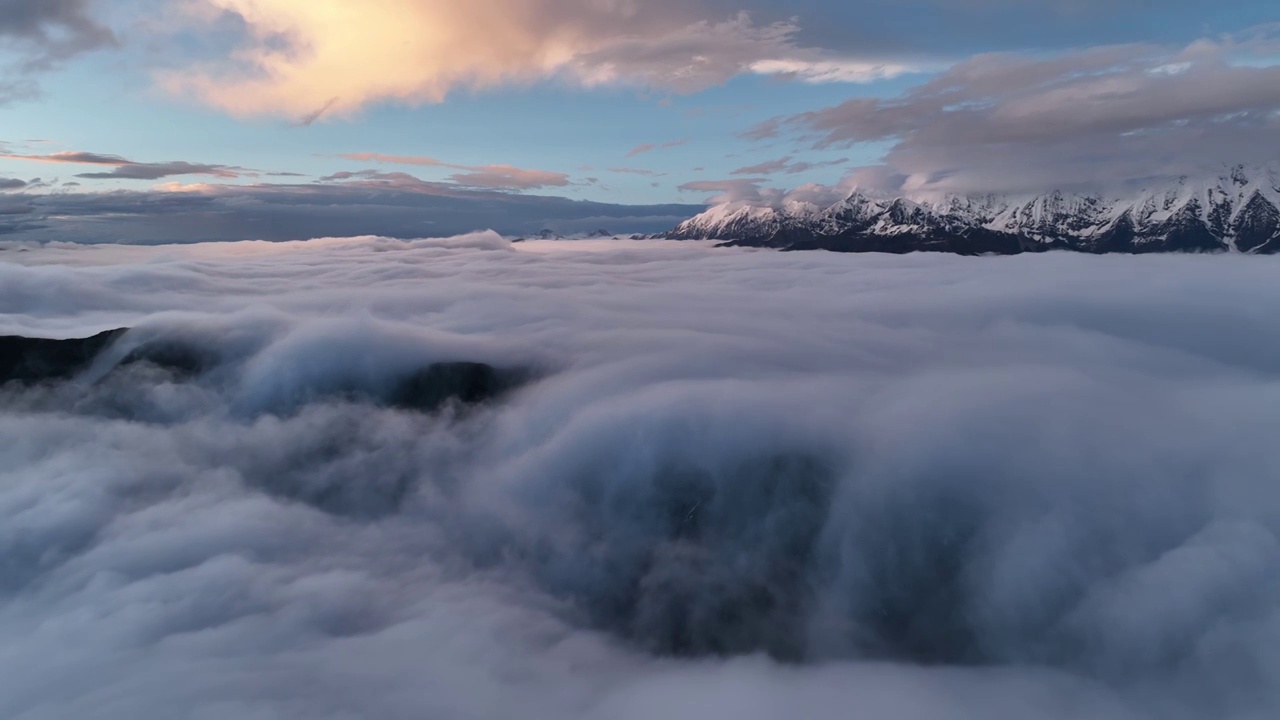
737, 484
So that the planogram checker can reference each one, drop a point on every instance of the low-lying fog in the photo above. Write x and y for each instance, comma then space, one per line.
691, 483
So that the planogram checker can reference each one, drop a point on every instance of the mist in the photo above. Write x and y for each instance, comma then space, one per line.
699, 483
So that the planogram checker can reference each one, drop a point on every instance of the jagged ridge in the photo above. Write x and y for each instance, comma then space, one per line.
1237, 210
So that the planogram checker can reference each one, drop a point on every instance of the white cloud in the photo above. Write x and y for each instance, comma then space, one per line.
832, 71
1052, 472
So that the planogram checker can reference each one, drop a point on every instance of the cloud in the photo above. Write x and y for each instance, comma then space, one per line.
155, 171
11, 184
495, 177
397, 159
346, 203
1110, 114
636, 171
735, 190
507, 177
765, 168
314, 58
833, 71
125, 169
647, 148
400, 180
750, 191
43, 34
743, 484
785, 165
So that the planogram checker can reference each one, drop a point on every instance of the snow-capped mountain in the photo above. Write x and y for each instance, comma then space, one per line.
1237, 210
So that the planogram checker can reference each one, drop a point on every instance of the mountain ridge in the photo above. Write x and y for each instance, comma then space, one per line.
1235, 210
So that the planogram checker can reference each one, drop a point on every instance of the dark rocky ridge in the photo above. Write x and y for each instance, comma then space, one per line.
26, 361
31, 360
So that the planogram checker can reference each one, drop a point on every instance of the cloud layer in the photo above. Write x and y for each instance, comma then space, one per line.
345, 204
940, 488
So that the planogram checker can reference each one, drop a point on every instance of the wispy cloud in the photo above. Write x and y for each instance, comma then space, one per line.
833, 71
42, 34
510, 178
498, 177
752, 191
125, 169
397, 159
788, 166
636, 171
642, 149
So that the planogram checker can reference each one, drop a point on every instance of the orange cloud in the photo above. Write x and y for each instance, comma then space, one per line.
311, 58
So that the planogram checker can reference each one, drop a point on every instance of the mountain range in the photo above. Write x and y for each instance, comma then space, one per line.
1235, 210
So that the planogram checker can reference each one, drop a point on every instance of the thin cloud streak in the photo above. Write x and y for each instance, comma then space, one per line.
788, 166
125, 169
497, 177
647, 148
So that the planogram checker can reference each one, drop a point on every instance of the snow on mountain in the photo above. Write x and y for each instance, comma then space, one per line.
1235, 210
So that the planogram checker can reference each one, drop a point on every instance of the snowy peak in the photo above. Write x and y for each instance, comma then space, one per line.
1235, 210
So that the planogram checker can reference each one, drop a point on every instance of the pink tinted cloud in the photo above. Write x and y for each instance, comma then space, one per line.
311, 59
650, 147
492, 177
506, 177
125, 169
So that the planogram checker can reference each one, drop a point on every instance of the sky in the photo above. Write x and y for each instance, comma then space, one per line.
153, 120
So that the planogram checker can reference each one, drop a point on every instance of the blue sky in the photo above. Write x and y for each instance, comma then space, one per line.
551, 97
